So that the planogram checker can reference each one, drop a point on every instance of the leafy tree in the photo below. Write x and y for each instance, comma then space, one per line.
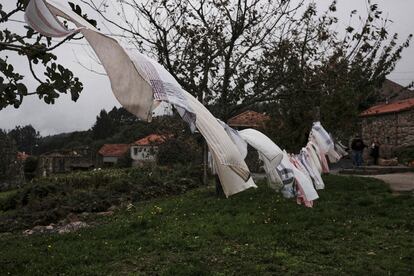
122, 116
282, 55
182, 146
319, 75
125, 161
30, 167
210, 47
8, 161
26, 138
38, 52
104, 127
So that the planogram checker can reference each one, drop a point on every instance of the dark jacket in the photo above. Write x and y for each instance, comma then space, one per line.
358, 144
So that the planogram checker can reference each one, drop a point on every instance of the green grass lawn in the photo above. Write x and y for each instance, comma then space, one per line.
357, 227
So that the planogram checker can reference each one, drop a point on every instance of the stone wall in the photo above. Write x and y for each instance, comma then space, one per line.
406, 129
393, 131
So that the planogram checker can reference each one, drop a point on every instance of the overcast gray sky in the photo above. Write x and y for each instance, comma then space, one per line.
66, 116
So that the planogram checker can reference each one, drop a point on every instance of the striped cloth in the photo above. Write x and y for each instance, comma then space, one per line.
322, 137
165, 87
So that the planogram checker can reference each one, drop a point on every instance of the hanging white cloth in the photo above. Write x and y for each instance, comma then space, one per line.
139, 83
313, 172
271, 155
263, 144
272, 176
230, 166
236, 138
314, 154
129, 87
305, 182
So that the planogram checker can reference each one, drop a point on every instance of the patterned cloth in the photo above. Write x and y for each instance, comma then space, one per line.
322, 137
286, 174
165, 87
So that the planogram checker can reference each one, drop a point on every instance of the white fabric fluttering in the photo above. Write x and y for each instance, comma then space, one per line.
270, 154
232, 170
264, 145
140, 84
293, 175
129, 87
236, 138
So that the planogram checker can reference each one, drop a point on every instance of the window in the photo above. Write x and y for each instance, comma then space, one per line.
135, 151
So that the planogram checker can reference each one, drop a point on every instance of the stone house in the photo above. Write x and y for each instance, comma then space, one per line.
110, 154
67, 160
391, 123
145, 150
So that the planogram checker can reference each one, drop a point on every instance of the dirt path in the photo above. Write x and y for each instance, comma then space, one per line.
399, 182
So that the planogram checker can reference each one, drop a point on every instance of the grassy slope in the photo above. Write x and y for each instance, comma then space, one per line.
356, 227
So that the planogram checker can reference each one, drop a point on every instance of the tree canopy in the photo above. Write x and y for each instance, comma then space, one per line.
281, 56
26, 138
37, 50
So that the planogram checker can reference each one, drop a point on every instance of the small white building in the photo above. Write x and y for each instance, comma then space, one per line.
145, 150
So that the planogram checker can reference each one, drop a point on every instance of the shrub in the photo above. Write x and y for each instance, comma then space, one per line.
30, 166
179, 151
48, 199
405, 155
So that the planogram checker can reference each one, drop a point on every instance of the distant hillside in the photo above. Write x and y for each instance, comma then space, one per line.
115, 126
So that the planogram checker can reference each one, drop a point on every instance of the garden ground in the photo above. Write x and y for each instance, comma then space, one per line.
356, 227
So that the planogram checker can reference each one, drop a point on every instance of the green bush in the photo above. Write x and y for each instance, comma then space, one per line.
181, 150
405, 155
30, 166
49, 199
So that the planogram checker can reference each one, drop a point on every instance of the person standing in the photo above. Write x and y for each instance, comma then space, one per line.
375, 146
357, 147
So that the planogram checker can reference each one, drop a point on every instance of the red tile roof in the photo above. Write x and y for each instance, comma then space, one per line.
384, 108
248, 118
114, 150
152, 139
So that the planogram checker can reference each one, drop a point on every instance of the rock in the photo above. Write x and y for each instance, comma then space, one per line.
71, 217
49, 227
28, 232
388, 162
84, 214
63, 231
38, 228
105, 214
71, 227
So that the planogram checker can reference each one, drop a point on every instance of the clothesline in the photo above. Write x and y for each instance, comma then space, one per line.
140, 84
294, 175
